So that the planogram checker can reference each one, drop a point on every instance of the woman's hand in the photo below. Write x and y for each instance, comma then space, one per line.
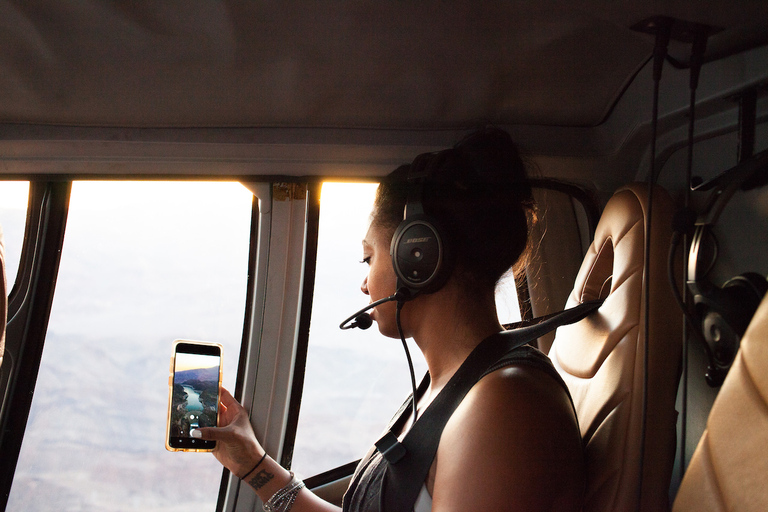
236, 445
239, 451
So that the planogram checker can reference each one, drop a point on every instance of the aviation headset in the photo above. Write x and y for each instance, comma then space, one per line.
420, 251
721, 312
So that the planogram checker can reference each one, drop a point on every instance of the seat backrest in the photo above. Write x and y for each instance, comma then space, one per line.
3, 297
729, 467
601, 358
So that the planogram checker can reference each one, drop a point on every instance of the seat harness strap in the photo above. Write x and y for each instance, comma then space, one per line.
409, 461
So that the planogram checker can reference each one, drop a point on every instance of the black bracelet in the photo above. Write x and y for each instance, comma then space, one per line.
254, 467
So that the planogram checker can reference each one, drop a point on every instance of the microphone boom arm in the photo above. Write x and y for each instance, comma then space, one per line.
356, 322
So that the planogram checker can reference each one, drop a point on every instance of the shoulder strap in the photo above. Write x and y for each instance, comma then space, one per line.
409, 461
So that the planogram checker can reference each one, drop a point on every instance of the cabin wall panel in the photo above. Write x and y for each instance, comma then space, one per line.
741, 233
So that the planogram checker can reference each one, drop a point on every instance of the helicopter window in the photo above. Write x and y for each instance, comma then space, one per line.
13, 215
507, 303
355, 380
142, 263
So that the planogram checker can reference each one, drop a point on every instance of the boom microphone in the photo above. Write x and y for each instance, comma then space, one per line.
362, 319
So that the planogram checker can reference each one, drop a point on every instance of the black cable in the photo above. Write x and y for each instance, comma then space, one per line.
362, 320
663, 32
679, 298
400, 304
682, 299
682, 302
697, 57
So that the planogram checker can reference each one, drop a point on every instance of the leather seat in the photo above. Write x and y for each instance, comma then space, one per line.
601, 358
729, 467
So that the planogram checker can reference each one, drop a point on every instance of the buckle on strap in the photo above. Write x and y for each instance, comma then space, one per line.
390, 448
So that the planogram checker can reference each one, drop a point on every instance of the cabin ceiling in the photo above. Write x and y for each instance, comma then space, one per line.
336, 64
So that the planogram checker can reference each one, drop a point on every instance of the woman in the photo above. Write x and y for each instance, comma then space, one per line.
512, 441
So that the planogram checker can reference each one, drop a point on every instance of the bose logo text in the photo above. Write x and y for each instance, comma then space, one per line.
417, 240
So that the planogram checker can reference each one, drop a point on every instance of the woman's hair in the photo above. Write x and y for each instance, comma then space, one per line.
479, 194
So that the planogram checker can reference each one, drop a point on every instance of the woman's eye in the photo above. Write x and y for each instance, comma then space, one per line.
366, 260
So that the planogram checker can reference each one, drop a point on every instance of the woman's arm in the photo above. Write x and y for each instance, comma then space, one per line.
239, 451
513, 444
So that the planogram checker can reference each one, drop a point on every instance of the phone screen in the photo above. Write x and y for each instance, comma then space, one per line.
194, 400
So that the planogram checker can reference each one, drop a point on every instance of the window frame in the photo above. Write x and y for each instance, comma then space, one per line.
30, 303
29, 308
279, 312
308, 292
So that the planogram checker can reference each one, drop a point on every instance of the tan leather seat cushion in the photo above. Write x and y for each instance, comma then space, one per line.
601, 358
729, 469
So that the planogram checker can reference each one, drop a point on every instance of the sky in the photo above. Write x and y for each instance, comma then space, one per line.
186, 362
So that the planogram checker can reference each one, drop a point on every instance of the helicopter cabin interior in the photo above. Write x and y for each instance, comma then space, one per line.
205, 169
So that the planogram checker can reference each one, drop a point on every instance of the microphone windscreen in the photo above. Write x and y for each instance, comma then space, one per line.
363, 321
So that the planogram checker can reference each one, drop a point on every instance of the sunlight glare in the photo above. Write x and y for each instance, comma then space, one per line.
115, 195
14, 194
339, 199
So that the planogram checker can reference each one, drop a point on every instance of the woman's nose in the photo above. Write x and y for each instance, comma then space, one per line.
364, 286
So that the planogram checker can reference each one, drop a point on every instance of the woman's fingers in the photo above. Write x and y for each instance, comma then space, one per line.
229, 408
227, 400
236, 447
209, 433
238, 427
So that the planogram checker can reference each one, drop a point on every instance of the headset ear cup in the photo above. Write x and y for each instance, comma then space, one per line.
418, 254
728, 313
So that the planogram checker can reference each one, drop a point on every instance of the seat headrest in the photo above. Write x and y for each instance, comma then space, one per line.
602, 357
612, 269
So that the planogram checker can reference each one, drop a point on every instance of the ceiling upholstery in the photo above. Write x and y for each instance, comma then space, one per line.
340, 63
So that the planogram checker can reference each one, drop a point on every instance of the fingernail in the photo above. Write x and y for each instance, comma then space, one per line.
196, 434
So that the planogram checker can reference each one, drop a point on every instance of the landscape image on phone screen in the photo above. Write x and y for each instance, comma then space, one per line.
195, 393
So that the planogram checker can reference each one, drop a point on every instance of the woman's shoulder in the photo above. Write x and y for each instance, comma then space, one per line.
516, 433
517, 395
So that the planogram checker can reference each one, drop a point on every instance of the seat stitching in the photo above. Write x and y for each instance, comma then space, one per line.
603, 413
599, 255
619, 338
620, 236
631, 273
751, 380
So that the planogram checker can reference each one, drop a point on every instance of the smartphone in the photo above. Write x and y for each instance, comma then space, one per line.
195, 387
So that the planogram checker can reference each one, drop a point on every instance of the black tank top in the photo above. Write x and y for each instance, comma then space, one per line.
382, 485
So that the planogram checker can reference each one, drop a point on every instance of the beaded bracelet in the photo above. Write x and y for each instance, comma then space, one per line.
282, 500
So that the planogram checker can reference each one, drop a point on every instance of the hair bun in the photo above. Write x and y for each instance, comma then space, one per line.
479, 192
492, 154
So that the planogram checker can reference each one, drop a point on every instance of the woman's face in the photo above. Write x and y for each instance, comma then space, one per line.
381, 281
